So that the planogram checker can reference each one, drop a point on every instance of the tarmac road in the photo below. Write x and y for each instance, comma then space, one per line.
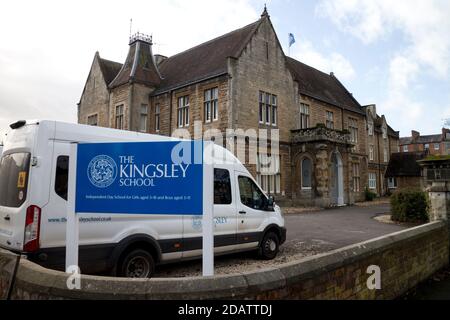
339, 227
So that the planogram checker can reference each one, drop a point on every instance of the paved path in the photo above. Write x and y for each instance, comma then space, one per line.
336, 228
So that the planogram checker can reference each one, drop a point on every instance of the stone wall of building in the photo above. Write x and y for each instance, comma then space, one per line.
262, 67
95, 97
120, 96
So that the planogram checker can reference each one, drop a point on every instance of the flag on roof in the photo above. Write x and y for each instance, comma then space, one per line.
291, 39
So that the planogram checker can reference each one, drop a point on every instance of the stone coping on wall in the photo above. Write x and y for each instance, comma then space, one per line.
35, 282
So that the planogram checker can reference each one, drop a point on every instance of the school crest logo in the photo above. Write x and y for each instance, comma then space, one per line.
102, 171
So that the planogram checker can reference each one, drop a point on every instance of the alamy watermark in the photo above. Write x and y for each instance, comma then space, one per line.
74, 280
374, 280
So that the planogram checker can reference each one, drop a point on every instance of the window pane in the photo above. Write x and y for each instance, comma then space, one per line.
222, 187
62, 176
186, 115
251, 196
261, 112
274, 115
215, 111
306, 173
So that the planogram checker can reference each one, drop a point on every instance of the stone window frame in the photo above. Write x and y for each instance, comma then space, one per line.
370, 128
386, 154
438, 146
356, 176
372, 179
329, 119
392, 183
157, 117
272, 180
303, 158
119, 113
371, 152
143, 116
211, 103
305, 115
405, 148
90, 116
268, 109
183, 104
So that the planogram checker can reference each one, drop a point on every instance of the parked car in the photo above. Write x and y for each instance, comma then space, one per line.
33, 180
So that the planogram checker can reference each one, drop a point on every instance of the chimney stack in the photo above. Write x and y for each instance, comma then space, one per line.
415, 135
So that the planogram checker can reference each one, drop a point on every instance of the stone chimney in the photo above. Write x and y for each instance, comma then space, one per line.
445, 134
140, 66
415, 135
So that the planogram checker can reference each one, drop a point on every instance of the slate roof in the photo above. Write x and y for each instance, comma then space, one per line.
109, 69
434, 138
138, 67
404, 164
205, 60
322, 86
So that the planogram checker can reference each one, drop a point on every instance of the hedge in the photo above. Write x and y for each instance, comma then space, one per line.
410, 205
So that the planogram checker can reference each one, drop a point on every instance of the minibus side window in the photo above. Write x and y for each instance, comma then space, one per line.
222, 187
62, 176
251, 195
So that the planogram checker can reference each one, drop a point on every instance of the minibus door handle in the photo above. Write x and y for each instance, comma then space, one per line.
7, 218
242, 212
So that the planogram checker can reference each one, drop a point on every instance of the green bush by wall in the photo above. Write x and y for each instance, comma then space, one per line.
410, 205
369, 195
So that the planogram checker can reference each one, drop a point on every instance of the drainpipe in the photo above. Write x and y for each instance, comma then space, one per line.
130, 107
170, 112
379, 163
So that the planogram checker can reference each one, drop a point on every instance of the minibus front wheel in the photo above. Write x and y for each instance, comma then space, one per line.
269, 246
137, 263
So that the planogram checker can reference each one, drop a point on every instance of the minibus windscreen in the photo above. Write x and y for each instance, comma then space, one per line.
14, 169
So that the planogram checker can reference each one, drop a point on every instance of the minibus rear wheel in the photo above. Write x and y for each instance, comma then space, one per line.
137, 263
269, 247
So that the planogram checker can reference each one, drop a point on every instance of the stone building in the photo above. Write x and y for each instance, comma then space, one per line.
435, 144
242, 80
404, 168
382, 141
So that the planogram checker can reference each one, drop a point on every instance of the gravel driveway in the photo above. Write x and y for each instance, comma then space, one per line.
308, 234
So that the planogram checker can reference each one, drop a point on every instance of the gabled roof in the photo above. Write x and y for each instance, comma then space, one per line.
404, 164
109, 69
322, 86
205, 60
392, 132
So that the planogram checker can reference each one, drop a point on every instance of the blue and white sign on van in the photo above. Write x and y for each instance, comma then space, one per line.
139, 178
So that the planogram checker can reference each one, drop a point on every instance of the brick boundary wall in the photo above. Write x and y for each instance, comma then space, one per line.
406, 258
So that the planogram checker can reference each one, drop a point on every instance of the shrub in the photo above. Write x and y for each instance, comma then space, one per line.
370, 196
410, 205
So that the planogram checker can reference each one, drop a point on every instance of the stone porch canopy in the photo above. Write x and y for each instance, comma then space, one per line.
321, 133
